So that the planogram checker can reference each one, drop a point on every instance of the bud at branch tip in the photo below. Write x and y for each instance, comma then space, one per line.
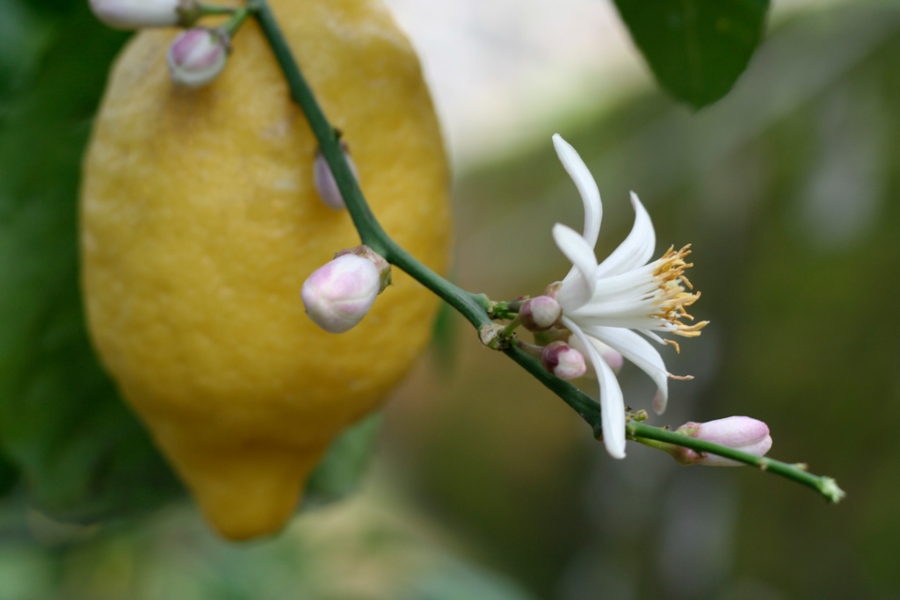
740, 433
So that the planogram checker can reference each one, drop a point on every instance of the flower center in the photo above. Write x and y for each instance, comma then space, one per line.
672, 297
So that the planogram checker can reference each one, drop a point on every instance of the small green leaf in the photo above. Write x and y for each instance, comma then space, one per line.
341, 470
697, 49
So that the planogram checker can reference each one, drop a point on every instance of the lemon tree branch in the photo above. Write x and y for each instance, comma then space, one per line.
826, 486
475, 307
370, 231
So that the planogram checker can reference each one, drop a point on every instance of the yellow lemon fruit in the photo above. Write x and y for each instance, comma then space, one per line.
200, 221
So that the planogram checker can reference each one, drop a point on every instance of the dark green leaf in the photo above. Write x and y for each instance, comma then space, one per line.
697, 49
82, 453
9, 475
24, 35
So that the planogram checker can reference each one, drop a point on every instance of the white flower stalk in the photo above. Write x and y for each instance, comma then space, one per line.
137, 14
608, 304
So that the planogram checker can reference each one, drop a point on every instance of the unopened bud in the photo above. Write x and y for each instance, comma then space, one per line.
563, 360
741, 433
137, 14
326, 185
198, 55
540, 313
339, 294
383, 266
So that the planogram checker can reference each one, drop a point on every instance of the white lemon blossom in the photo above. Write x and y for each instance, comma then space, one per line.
605, 304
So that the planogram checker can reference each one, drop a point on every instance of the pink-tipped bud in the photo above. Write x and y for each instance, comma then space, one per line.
339, 294
137, 14
383, 266
563, 360
197, 56
540, 313
324, 180
741, 433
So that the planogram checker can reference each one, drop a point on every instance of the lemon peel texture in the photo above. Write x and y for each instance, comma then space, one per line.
200, 222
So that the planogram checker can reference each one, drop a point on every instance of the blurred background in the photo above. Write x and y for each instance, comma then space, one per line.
483, 484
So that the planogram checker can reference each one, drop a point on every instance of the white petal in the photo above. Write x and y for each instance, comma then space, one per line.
652, 336
639, 351
637, 248
612, 357
624, 322
641, 280
612, 404
628, 308
587, 187
579, 284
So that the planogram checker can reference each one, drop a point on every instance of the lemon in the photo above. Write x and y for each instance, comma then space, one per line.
200, 222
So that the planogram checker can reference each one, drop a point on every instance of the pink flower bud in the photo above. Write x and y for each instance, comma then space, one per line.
197, 56
339, 294
383, 266
540, 313
324, 180
136, 14
741, 433
563, 360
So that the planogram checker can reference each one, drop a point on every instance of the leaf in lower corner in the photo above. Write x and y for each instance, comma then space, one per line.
344, 465
697, 49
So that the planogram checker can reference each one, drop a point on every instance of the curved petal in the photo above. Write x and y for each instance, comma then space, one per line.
579, 284
639, 351
637, 249
652, 336
587, 187
612, 403
612, 356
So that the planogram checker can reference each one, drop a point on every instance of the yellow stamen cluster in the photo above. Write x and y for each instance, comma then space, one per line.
672, 297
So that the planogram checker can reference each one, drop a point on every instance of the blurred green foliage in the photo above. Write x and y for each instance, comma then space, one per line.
788, 190
697, 49
81, 453
358, 550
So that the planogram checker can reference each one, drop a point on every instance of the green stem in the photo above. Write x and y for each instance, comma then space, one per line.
238, 16
477, 308
826, 486
580, 402
208, 10
370, 231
